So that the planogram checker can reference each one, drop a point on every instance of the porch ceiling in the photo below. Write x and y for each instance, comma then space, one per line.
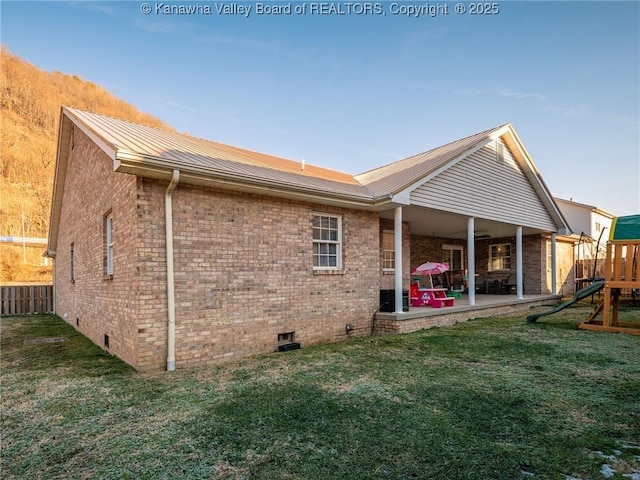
436, 223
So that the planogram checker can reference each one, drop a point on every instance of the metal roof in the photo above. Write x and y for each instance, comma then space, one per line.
191, 154
153, 152
156, 153
176, 150
395, 177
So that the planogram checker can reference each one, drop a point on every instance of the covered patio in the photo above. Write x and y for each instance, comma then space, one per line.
418, 318
482, 201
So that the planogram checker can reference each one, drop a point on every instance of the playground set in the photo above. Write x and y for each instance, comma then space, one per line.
621, 273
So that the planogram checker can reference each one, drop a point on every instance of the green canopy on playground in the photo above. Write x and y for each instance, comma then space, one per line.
625, 228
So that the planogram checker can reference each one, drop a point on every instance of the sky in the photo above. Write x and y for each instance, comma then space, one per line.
355, 85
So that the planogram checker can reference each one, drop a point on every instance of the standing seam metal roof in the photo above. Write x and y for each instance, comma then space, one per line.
212, 157
216, 158
395, 177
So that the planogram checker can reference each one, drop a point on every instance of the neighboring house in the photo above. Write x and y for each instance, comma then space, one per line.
173, 250
591, 227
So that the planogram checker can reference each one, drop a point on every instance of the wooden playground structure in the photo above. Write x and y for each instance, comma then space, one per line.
621, 273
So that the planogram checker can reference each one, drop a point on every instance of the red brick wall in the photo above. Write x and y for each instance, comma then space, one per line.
243, 268
243, 274
95, 304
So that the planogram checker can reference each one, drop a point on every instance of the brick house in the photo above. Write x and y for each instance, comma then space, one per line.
264, 251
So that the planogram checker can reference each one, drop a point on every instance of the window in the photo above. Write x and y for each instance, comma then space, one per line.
388, 251
500, 257
108, 243
73, 263
327, 238
453, 256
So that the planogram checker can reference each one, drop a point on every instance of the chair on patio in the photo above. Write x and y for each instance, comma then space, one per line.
509, 284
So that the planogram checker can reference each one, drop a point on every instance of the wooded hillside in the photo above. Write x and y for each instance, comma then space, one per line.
30, 101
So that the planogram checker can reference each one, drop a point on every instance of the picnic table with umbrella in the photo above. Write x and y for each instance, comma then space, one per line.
436, 296
430, 268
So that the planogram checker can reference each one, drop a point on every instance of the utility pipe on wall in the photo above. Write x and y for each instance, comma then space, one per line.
171, 304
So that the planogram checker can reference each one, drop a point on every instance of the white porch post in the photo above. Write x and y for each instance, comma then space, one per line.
519, 286
471, 260
554, 280
397, 237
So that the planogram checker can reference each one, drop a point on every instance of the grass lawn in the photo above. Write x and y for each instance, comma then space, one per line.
487, 399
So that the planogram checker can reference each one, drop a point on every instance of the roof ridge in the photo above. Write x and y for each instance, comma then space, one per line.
432, 149
241, 155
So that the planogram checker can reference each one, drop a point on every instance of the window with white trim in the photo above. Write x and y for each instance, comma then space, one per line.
388, 251
108, 244
500, 257
327, 242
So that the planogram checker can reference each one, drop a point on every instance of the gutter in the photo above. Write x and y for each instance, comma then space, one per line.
156, 167
171, 301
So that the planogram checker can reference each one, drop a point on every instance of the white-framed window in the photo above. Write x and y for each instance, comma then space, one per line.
453, 256
108, 244
388, 251
500, 257
327, 241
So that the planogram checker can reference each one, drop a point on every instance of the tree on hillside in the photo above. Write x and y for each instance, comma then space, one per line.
30, 102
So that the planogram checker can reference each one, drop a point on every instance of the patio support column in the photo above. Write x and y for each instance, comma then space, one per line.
471, 260
519, 289
397, 237
554, 280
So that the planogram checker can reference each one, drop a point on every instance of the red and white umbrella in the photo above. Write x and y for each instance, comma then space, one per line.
430, 268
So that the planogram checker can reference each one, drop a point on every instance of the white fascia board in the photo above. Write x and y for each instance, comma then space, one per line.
67, 122
104, 145
538, 182
162, 168
406, 192
402, 198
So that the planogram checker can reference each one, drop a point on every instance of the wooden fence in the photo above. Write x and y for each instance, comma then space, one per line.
22, 299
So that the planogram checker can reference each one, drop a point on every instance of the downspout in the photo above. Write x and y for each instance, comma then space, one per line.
171, 301
55, 294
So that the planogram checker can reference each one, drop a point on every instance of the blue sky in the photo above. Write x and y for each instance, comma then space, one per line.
355, 91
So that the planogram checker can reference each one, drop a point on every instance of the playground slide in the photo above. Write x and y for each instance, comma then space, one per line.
579, 295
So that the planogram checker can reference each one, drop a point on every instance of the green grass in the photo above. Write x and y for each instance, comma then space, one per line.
487, 399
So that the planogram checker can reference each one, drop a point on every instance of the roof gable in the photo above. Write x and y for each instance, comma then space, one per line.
488, 185
393, 178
